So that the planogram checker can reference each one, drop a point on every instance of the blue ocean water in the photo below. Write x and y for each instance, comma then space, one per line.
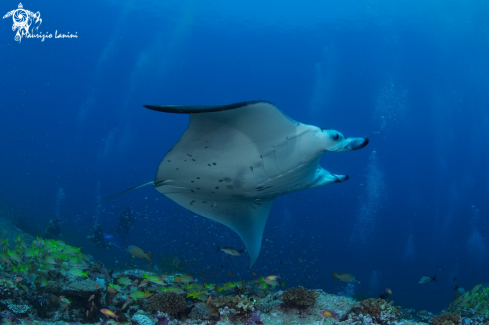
411, 76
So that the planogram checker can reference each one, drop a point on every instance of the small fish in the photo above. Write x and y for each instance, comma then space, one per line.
454, 279
460, 290
213, 274
328, 314
143, 283
78, 272
230, 251
153, 278
389, 291
109, 313
135, 282
272, 278
426, 279
254, 274
124, 281
185, 278
63, 299
116, 287
125, 305
139, 294
230, 273
111, 290
91, 297
208, 300
108, 236
138, 252
345, 277
18, 279
173, 289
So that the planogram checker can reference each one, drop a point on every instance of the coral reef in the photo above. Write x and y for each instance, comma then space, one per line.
141, 319
81, 288
200, 311
379, 310
168, 302
267, 304
425, 316
446, 319
299, 298
240, 303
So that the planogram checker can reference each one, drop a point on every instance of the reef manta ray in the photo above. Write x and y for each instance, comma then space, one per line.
234, 160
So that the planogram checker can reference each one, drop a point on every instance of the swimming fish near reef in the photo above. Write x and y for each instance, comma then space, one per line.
185, 278
109, 313
272, 278
345, 277
138, 252
328, 314
460, 290
153, 278
426, 279
230, 251
63, 299
78, 272
124, 281
140, 294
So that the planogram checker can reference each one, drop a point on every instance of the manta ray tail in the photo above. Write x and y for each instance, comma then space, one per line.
129, 190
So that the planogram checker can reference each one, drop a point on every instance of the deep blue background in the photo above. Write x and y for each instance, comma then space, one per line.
415, 71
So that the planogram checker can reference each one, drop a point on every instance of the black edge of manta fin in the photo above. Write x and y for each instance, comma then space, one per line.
131, 189
183, 109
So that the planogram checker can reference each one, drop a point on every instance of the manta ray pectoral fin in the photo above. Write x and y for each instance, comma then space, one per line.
246, 217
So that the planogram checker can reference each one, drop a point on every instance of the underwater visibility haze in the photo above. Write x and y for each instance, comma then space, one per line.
409, 76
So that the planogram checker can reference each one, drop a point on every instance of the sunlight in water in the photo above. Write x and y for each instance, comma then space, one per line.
375, 194
476, 246
59, 198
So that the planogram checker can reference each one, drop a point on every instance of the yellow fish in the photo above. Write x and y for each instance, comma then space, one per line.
345, 277
138, 252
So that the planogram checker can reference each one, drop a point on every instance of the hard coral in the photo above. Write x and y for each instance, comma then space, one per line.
446, 319
168, 302
200, 311
381, 311
81, 288
266, 305
299, 298
140, 319
240, 303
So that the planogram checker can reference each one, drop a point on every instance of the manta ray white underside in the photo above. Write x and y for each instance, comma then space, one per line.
234, 160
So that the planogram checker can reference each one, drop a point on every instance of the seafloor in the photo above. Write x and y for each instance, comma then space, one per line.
47, 281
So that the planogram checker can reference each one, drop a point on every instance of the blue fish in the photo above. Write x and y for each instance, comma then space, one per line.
109, 236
